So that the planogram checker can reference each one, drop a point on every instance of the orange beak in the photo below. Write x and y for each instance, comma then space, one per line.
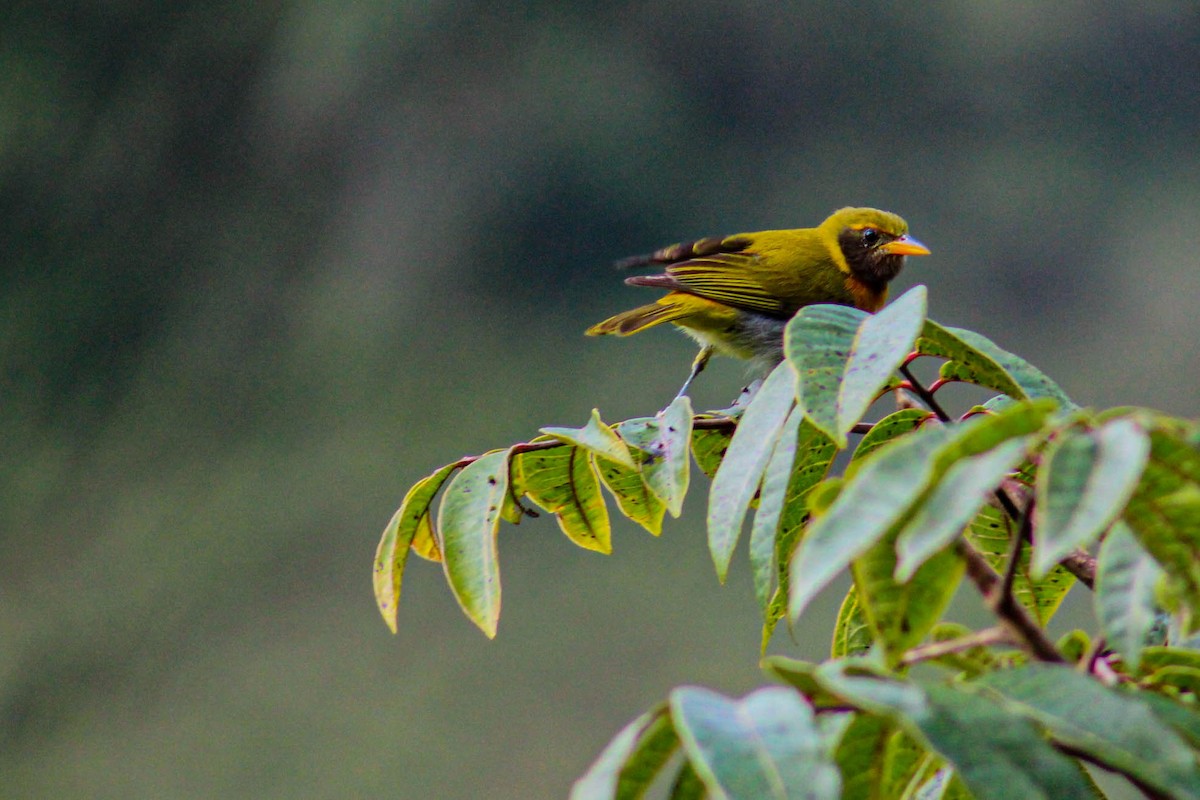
905, 246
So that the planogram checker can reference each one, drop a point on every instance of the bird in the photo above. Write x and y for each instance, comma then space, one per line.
735, 294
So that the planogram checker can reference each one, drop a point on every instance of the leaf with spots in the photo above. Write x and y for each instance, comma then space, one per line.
989, 532
976, 359
1164, 511
595, 437
411, 522
470, 517
844, 357
633, 496
660, 444
738, 479
709, 446
563, 481
851, 632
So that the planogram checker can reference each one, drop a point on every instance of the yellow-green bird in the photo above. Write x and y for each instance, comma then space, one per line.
734, 295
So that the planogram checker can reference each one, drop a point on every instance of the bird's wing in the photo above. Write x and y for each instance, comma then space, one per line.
675, 253
730, 278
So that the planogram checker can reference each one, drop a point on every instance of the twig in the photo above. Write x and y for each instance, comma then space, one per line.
926, 396
983, 638
721, 423
1018, 538
1011, 613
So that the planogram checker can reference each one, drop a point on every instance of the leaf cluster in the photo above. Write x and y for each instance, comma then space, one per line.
1023, 497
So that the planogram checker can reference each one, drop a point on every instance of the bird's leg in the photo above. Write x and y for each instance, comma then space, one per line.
697, 367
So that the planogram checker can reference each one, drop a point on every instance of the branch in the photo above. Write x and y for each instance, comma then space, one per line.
1027, 633
983, 638
926, 396
1023, 534
722, 423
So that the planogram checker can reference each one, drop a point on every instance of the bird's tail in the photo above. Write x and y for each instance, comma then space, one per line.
638, 319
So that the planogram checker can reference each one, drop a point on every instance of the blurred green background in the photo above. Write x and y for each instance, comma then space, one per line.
267, 264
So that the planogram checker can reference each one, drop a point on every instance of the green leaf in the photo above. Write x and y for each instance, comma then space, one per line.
709, 446
737, 480
633, 496
893, 425
976, 359
687, 784
773, 496
1164, 511
1126, 577
990, 533
764, 746
470, 517
1184, 718
861, 757
1160, 656
998, 755
595, 437
1084, 483
1174, 680
844, 357
397, 538
563, 481
661, 444
868, 506
1112, 727
851, 632
814, 456
799, 675
905, 763
954, 502
944, 785
631, 761
900, 614
888, 486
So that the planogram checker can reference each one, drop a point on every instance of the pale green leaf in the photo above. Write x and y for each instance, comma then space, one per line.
998, 755
845, 357
766, 746
1112, 727
1164, 511
1126, 577
1084, 482
772, 498
396, 541
631, 761
661, 445
595, 437
882, 491
738, 478
469, 516
954, 502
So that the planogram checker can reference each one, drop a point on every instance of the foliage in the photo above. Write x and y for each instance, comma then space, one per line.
1009, 496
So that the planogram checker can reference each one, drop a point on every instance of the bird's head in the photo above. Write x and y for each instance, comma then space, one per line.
872, 242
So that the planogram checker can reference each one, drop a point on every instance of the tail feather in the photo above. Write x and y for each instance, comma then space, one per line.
638, 319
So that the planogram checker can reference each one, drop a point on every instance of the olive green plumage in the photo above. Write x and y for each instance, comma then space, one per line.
734, 295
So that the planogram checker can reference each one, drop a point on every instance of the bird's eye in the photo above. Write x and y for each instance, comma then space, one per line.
870, 237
